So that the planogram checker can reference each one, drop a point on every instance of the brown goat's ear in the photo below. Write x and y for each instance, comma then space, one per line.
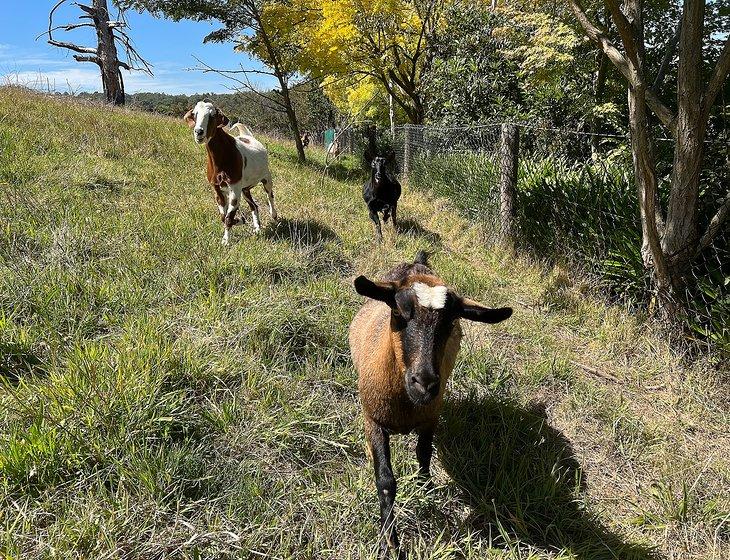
473, 311
221, 120
188, 118
381, 291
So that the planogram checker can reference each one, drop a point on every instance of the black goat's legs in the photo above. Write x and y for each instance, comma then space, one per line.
376, 220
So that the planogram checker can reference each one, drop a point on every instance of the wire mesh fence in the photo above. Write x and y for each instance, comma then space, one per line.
574, 200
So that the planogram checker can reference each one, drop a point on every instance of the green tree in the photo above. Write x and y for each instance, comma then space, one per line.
264, 29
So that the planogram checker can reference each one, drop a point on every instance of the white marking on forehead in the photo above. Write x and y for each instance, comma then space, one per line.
430, 296
204, 106
203, 111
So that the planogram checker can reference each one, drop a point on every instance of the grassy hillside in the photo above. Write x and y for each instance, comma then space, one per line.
164, 397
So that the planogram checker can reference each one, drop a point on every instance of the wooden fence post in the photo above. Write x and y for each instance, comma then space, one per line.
508, 180
406, 150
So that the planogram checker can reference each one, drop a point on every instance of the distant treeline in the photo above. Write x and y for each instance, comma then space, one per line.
314, 110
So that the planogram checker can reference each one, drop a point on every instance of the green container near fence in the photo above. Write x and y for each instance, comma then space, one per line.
329, 137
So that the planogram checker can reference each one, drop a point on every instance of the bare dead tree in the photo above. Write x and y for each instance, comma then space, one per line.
109, 34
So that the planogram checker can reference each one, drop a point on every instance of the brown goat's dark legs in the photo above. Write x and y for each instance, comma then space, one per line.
424, 451
379, 443
374, 217
395, 208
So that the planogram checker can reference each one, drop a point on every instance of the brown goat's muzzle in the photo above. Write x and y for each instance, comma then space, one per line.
422, 387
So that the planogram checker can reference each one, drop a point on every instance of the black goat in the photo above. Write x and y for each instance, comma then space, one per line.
381, 194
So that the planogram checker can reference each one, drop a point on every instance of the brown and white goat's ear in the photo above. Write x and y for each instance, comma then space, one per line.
221, 120
188, 118
381, 291
473, 311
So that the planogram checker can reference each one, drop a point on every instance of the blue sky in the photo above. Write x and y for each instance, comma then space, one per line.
170, 47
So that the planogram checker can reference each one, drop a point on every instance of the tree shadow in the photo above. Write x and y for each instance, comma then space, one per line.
17, 362
336, 170
520, 474
410, 227
300, 232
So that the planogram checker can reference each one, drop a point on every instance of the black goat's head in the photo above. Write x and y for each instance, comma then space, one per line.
378, 166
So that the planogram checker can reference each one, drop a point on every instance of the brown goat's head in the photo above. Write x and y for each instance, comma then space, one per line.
424, 313
204, 118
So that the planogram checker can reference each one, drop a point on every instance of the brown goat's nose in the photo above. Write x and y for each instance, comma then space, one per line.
427, 383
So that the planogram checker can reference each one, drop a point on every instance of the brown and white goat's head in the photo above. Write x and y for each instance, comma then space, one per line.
204, 118
424, 315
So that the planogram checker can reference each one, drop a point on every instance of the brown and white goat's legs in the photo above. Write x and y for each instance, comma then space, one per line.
220, 200
378, 442
229, 215
269, 188
254, 208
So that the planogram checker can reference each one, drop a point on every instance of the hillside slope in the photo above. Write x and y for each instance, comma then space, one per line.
164, 397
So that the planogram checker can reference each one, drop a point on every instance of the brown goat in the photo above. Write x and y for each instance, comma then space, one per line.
404, 344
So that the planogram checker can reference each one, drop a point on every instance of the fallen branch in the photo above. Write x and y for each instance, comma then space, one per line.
596, 372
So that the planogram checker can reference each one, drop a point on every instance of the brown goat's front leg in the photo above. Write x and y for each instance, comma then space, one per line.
424, 451
379, 443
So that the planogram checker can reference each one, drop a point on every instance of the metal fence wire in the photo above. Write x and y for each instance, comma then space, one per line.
575, 200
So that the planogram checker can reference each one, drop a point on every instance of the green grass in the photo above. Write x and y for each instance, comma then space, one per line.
164, 397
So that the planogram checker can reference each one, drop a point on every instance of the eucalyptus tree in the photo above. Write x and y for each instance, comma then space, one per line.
671, 239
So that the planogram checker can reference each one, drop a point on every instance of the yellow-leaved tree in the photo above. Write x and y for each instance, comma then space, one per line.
364, 50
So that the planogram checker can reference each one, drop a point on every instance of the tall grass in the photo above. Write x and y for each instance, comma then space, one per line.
585, 214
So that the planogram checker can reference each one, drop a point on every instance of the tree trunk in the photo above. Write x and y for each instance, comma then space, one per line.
681, 231
107, 53
645, 168
293, 123
281, 75
599, 85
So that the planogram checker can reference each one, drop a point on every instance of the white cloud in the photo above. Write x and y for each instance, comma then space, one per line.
86, 77
36, 68
64, 79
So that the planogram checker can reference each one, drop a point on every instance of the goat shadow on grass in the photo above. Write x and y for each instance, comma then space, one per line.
300, 232
18, 362
518, 472
410, 227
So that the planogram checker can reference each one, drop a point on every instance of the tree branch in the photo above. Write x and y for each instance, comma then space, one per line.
715, 225
83, 58
665, 115
668, 55
72, 47
88, 9
719, 75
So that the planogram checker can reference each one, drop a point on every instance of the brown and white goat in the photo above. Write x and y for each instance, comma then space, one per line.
404, 343
236, 163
